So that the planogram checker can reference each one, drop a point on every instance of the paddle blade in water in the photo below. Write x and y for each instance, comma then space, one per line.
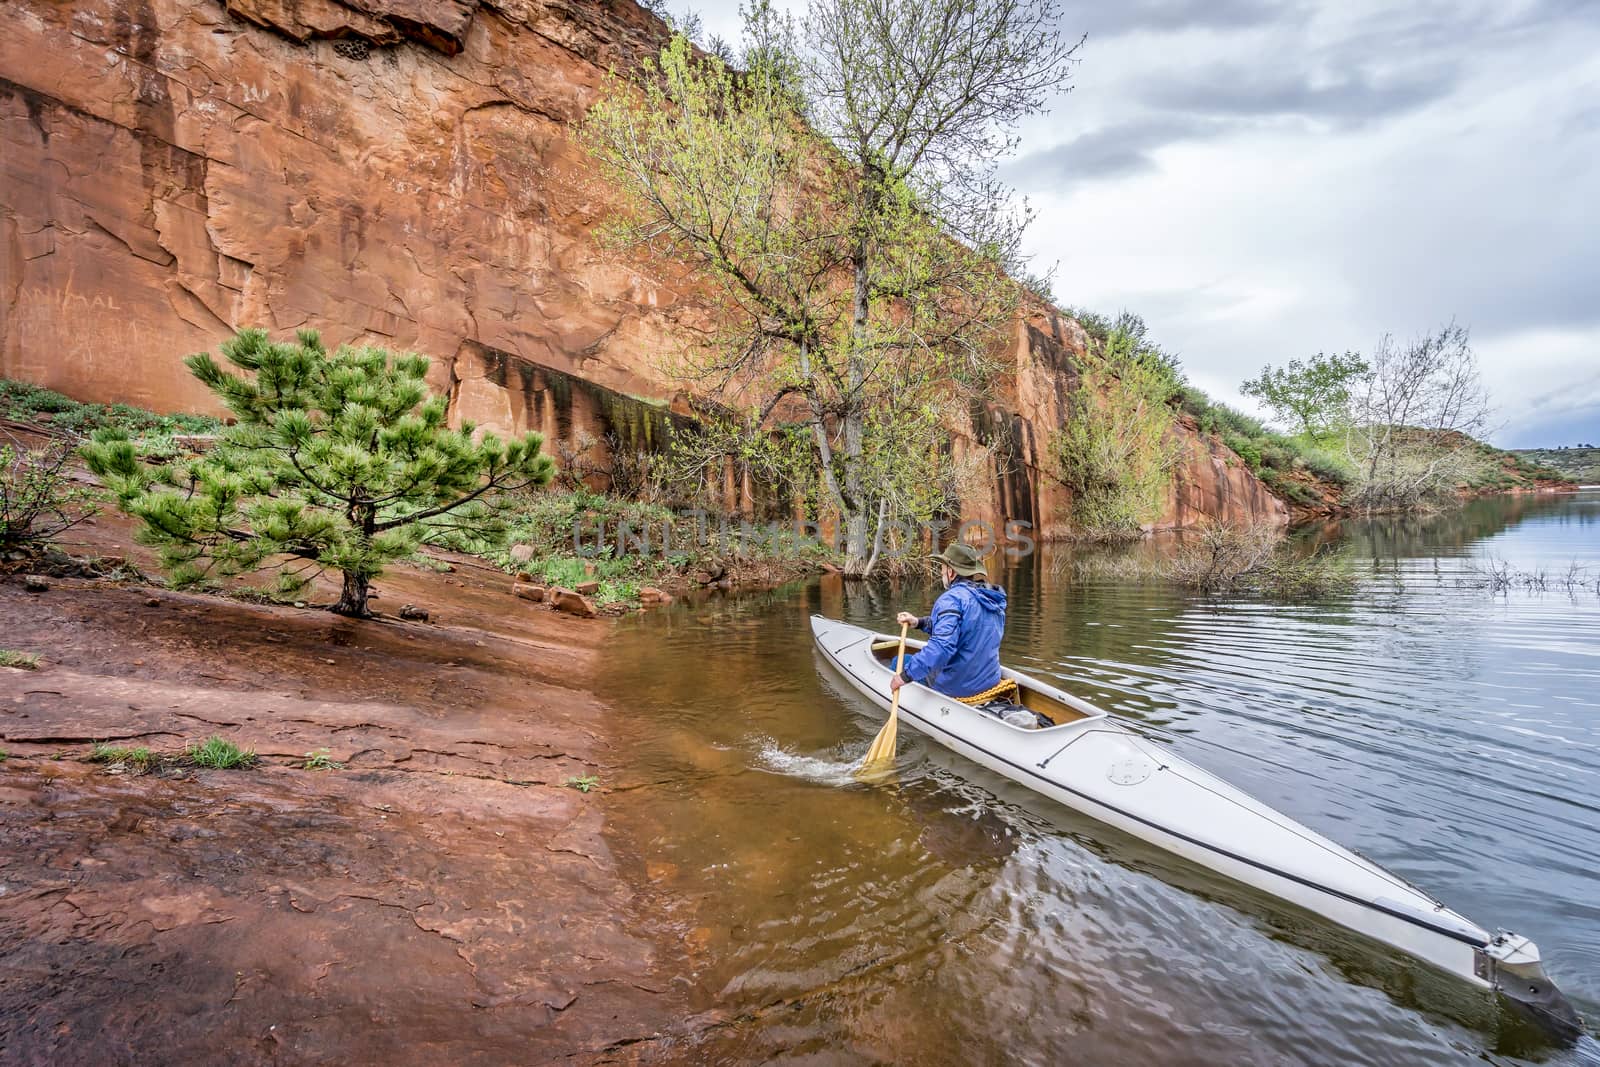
881, 754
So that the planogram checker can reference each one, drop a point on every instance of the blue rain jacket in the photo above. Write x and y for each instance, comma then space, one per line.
962, 656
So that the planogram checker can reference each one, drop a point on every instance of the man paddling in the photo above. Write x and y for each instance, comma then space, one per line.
962, 656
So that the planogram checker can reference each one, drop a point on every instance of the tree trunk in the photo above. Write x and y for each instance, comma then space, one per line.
353, 598
856, 562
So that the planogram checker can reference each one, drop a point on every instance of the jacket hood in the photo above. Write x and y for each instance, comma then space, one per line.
990, 598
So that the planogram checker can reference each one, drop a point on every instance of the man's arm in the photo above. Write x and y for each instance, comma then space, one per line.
941, 646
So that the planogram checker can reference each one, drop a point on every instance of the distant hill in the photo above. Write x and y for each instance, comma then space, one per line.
1581, 464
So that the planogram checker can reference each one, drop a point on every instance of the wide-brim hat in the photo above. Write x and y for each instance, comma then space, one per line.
963, 559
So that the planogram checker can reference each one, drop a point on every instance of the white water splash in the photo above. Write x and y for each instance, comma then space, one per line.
779, 760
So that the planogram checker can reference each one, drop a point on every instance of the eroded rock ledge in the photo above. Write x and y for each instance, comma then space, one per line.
442, 898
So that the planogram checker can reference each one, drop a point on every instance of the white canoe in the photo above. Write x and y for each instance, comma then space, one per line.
1093, 764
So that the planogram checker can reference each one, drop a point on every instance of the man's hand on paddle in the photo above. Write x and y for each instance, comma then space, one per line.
905, 618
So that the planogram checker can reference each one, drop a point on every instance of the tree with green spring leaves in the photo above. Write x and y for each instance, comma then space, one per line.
336, 461
838, 194
1312, 396
1115, 451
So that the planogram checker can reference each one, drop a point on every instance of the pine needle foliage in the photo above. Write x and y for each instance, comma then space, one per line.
337, 461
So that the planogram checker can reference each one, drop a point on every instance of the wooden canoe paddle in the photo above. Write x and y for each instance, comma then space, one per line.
881, 754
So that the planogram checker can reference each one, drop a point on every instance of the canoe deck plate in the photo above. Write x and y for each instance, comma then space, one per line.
1130, 771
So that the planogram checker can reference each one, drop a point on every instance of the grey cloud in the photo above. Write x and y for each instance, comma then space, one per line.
1547, 11
1109, 19
1479, 212
1546, 425
1586, 122
1248, 91
1500, 275
1108, 152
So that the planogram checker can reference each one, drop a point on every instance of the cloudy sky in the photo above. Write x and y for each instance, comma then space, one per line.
1263, 180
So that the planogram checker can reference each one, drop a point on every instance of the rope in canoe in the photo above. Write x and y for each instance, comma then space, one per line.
1006, 686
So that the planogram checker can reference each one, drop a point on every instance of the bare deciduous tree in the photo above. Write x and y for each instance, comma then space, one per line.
1414, 419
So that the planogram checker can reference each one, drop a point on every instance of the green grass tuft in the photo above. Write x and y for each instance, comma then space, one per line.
585, 783
221, 754
27, 661
140, 757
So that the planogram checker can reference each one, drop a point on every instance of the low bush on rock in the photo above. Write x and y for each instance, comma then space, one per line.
38, 500
140, 759
567, 538
25, 402
25, 661
1114, 452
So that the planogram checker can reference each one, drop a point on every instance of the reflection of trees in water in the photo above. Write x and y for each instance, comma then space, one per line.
1107, 642
1387, 539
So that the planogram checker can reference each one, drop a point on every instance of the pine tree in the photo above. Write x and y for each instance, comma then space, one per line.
338, 461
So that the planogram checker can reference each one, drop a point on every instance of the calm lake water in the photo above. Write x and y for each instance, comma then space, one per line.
951, 916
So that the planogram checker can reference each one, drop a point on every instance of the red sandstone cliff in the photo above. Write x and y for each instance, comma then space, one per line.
392, 171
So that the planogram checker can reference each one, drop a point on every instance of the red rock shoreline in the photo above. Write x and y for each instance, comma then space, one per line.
444, 897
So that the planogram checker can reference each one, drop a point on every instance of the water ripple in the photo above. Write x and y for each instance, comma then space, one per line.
949, 916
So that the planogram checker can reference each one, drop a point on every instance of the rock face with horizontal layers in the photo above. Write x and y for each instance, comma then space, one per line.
397, 172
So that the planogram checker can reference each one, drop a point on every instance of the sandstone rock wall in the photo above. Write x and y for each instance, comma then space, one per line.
1211, 482
397, 172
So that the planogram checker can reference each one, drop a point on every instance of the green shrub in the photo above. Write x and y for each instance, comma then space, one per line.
1245, 447
26, 402
619, 578
1294, 491
576, 535
1276, 453
38, 499
1114, 453
1264, 449
562, 524
1326, 465
1231, 419
1193, 401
